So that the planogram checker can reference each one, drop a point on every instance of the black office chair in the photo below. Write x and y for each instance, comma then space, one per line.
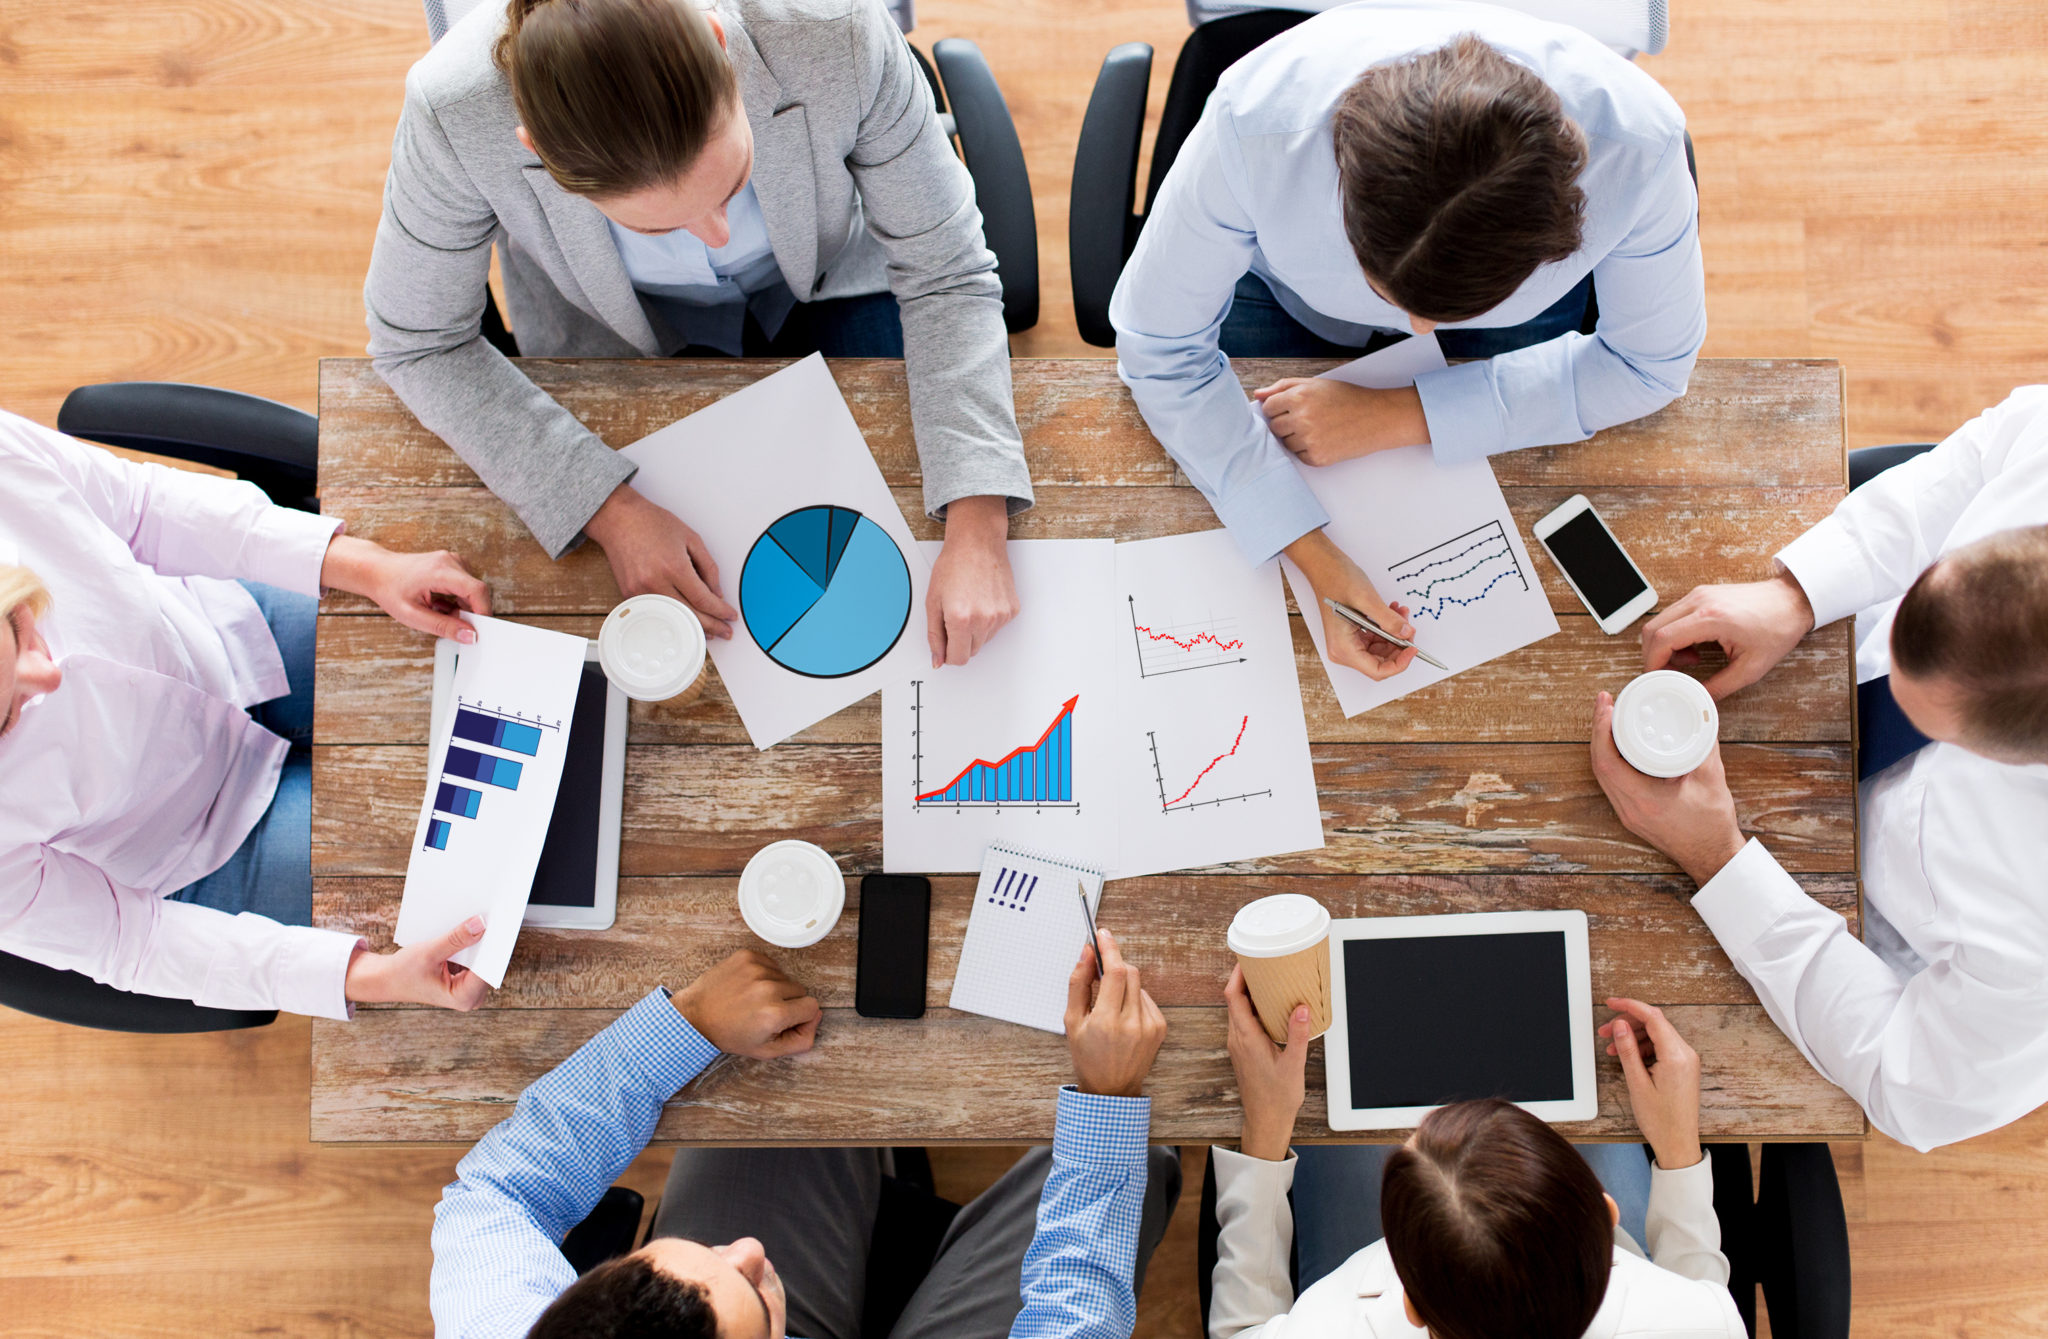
1101, 227
979, 122
1790, 1236
910, 1223
1883, 734
274, 446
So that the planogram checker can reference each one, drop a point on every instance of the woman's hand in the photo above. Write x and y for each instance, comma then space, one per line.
420, 974
420, 590
1663, 1075
1322, 420
653, 553
1272, 1081
1331, 573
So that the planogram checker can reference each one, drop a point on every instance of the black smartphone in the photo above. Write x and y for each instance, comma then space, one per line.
895, 935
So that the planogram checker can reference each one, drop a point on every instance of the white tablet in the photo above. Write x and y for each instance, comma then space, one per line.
1428, 1010
576, 884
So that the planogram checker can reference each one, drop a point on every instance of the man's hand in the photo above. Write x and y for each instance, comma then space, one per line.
420, 974
1272, 1081
653, 553
746, 1006
420, 590
972, 592
1113, 1027
1756, 623
1663, 1075
1330, 573
1323, 421
1690, 818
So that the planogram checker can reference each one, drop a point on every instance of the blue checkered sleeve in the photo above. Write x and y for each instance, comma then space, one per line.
498, 1229
1077, 1274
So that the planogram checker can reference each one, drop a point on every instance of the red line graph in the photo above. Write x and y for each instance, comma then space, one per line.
1212, 765
1191, 643
1065, 711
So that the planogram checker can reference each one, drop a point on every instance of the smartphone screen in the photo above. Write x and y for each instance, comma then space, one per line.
895, 930
1593, 560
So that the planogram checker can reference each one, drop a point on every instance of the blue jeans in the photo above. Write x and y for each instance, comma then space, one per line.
867, 326
1337, 1197
271, 873
1257, 326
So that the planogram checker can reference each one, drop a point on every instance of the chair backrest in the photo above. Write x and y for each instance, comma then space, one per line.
1210, 49
1629, 26
68, 997
445, 14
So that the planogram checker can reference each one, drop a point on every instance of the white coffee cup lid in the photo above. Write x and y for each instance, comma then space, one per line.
1276, 926
1665, 723
791, 893
652, 647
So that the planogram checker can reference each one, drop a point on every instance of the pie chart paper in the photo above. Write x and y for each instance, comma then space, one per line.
809, 542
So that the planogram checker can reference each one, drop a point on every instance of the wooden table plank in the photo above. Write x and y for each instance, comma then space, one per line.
1387, 809
671, 929
1741, 423
433, 1075
374, 686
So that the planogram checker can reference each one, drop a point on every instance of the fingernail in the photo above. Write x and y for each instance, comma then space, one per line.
475, 925
1301, 1014
466, 636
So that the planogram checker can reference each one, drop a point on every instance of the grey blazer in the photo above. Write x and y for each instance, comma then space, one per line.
860, 190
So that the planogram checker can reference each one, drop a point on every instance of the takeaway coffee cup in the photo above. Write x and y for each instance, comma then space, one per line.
791, 893
1283, 944
652, 647
1665, 723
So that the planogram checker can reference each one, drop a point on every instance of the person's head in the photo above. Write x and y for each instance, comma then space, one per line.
632, 104
675, 1289
1970, 647
1459, 172
26, 668
1496, 1226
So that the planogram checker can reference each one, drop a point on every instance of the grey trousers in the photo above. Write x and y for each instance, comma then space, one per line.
813, 1209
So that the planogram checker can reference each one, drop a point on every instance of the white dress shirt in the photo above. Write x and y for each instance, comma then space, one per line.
1256, 188
1683, 1293
704, 293
1938, 1021
142, 772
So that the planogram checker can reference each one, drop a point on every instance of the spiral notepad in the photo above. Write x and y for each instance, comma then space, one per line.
1023, 936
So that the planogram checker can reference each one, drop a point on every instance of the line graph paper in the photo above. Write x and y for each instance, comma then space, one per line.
1189, 644
1461, 571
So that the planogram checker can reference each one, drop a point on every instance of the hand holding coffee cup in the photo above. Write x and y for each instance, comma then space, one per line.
1665, 723
1282, 945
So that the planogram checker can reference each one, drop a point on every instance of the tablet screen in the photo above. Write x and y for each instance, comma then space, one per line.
566, 874
1452, 1017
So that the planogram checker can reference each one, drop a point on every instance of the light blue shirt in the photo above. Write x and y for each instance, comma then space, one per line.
1256, 188
498, 1228
704, 293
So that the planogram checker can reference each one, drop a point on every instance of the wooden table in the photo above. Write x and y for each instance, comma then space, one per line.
1472, 795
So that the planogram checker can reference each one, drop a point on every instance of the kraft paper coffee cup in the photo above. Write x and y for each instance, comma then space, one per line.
791, 893
1665, 723
652, 647
1283, 944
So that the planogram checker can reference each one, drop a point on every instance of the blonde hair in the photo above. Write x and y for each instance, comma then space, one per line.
22, 589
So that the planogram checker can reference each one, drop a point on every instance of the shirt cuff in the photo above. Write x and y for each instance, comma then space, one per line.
1750, 895
662, 1043
1465, 417
1831, 569
288, 547
1093, 1130
313, 979
1232, 1166
1270, 512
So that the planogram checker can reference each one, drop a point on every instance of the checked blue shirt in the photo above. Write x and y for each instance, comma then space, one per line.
498, 1228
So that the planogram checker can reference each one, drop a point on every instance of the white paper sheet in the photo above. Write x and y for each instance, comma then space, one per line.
485, 815
816, 619
1214, 761
1023, 936
1437, 539
1016, 745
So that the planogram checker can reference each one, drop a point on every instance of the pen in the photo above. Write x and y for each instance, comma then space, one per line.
1089, 916
1353, 616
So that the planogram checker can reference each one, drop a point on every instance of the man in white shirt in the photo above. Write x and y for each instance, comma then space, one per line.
1937, 1021
1405, 165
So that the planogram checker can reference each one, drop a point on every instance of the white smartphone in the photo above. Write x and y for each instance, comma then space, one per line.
1603, 576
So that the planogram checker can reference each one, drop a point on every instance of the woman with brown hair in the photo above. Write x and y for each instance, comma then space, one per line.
768, 177
1486, 1223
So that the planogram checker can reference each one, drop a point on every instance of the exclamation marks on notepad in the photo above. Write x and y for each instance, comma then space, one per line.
1013, 889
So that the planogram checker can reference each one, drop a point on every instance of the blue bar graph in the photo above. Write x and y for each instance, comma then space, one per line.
460, 801
497, 732
472, 766
437, 834
1037, 774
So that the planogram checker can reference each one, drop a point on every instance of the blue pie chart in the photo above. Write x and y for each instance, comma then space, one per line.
825, 592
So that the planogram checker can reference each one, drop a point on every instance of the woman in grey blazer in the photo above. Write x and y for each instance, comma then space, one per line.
769, 177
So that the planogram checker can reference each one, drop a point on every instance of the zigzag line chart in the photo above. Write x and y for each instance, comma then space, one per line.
1461, 571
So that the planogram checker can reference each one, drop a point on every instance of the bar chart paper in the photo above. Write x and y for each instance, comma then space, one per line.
495, 766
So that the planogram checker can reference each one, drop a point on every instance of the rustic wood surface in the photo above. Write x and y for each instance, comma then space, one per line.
1423, 810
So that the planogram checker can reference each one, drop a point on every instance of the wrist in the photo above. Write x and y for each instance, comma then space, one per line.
1713, 857
361, 981
1677, 1155
349, 564
611, 513
1093, 1089
982, 519
1267, 1138
1795, 599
